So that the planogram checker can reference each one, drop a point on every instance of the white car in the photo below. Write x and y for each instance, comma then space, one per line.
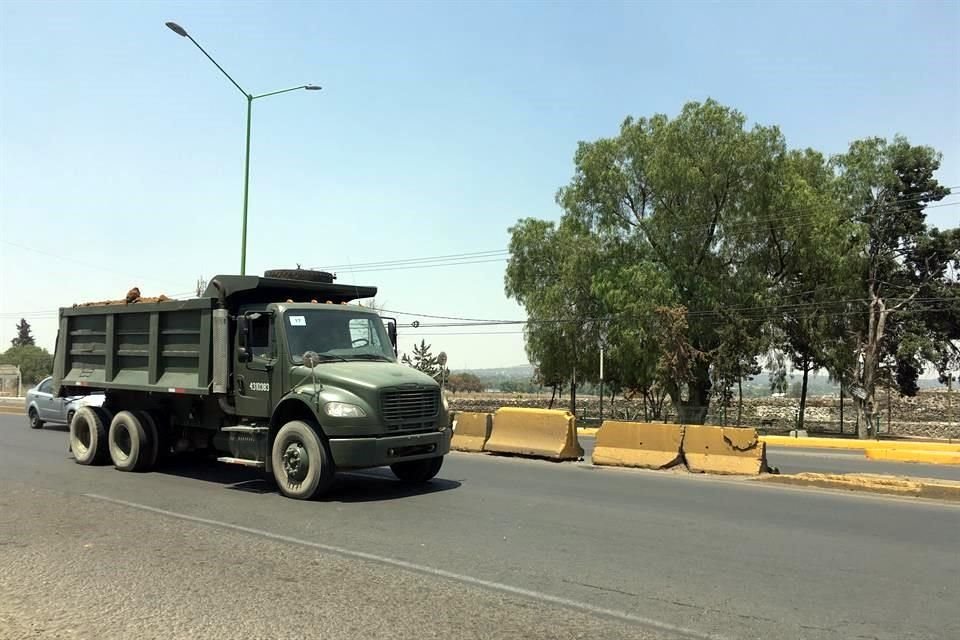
42, 406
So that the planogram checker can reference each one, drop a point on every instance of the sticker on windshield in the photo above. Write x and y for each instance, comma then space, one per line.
298, 321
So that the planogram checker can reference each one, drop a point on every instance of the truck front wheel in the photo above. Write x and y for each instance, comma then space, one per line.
302, 465
417, 471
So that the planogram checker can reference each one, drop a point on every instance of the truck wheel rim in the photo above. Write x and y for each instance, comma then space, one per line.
122, 440
296, 462
82, 431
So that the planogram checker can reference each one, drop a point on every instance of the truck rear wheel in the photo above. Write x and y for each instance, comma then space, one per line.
302, 465
417, 471
88, 435
129, 442
153, 437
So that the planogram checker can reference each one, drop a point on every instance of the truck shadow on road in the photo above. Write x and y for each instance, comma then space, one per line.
372, 485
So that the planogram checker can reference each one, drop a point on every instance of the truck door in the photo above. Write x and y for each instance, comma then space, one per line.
254, 394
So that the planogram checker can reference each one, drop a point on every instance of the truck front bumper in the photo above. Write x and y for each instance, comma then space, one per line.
360, 453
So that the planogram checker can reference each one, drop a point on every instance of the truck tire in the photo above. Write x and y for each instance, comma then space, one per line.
34, 418
88, 435
153, 438
305, 275
128, 442
302, 465
417, 471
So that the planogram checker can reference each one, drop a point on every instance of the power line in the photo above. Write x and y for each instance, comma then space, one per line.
456, 259
459, 259
449, 256
426, 266
89, 265
470, 333
749, 313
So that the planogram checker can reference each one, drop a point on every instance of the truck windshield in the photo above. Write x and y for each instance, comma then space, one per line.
339, 334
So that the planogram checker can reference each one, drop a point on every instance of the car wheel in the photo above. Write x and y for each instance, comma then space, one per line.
302, 465
417, 471
34, 417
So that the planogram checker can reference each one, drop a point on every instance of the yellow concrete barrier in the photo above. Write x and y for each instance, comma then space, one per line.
471, 431
850, 443
914, 455
541, 433
638, 444
729, 450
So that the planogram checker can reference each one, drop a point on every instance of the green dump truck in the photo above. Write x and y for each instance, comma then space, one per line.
282, 373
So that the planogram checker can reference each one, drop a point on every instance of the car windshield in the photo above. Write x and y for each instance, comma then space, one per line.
337, 335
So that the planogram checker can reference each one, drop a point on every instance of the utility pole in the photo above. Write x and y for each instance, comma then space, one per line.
889, 407
841, 408
601, 384
950, 378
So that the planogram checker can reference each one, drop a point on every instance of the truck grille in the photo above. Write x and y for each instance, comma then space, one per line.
414, 405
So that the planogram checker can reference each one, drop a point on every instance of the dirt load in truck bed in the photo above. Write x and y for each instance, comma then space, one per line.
133, 296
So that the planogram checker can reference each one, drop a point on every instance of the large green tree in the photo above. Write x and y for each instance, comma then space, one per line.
903, 301
550, 272
803, 253
689, 195
35, 362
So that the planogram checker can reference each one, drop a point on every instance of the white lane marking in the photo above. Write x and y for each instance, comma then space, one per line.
423, 569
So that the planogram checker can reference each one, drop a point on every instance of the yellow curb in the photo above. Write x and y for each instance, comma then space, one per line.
913, 455
872, 483
12, 411
863, 445
588, 432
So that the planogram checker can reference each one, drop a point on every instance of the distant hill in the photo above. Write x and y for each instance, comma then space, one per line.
520, 371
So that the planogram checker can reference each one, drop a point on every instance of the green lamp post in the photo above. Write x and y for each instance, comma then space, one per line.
180, 31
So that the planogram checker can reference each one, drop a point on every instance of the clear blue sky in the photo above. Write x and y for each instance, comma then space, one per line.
440, 124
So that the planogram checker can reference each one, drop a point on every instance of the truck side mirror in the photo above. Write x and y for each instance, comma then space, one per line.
243, 339
392, 333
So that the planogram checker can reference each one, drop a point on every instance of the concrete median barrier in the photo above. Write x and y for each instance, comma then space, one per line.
726, 450
638, 444
540, 433
914, 455
471, 431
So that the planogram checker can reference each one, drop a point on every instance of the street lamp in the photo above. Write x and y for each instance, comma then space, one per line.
180, 31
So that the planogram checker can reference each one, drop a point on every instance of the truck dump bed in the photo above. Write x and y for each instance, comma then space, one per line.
154, 346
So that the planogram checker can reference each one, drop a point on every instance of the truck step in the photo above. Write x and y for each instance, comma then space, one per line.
257, 464
244, 428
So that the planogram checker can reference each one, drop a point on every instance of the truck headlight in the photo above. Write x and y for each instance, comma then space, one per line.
343, 410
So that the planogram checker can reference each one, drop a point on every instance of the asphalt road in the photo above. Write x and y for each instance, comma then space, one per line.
495, 548
798, 460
